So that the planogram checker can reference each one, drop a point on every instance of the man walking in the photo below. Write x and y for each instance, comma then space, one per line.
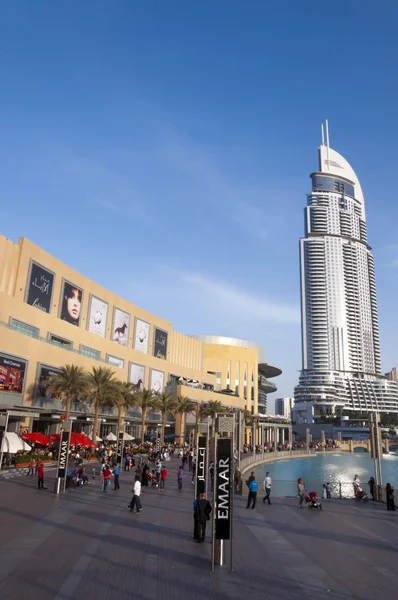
106, 478
158, 471
252, 497
202, 515
267, 487
136, 500
40, 474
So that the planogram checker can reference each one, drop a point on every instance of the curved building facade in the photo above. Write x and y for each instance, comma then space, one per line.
340, 333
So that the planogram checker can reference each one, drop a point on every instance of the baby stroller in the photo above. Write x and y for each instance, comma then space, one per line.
312, 501
360, 494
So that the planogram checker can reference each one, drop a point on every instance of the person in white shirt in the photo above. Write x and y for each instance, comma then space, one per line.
267, 484
136, 501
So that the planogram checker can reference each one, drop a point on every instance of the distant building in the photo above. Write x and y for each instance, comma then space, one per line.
283, 406
392, 375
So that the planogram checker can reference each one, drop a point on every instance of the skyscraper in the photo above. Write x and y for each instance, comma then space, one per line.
340, 332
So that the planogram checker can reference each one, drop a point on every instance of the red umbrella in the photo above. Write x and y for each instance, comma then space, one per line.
36, 438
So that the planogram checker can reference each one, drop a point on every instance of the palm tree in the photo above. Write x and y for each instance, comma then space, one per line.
71, 382
165, 403
145, 400
211, 409
184, 406
125, 401
104, 390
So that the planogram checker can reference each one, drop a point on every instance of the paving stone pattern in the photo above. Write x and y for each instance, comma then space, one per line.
86, 545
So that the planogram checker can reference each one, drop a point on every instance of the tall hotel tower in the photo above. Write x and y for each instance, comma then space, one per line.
340, 332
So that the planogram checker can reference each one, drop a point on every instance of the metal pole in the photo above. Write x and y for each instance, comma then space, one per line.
232, 483
221, 553
3, 439
213, 531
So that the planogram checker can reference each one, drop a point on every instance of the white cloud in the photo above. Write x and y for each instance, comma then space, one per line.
246, 305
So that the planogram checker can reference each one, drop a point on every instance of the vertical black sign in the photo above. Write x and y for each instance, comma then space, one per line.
201, 462
223, 489
40, 288
160, 344
63, 454
120, 446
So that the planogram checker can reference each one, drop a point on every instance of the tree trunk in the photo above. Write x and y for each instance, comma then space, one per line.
181, 417
143, 413
120, 416
164, 415
67, 407
95, 423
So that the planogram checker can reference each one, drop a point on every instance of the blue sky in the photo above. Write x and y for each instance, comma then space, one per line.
163, 149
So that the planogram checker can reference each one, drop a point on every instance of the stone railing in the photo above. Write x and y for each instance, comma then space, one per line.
253, 460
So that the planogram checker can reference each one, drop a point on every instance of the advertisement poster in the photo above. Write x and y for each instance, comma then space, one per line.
121, 327
40, 288
141, 336
71, 303
45, 374
116, 362
137, 375
160, 344
12, 374
97, 316
157, 381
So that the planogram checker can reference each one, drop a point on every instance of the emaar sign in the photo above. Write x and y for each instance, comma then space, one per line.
63, 454
223, 489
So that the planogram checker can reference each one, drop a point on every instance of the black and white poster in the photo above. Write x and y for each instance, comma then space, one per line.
157, 381
160, 344
141, 336
97, 316
40, 288
223, 484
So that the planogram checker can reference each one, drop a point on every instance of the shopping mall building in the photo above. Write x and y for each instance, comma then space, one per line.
51, 315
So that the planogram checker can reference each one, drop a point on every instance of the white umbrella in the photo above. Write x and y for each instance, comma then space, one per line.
111, 437
98, 439
127, 437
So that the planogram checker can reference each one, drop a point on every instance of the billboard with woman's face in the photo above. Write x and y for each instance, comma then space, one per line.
39, 289
71, 303
141, 336
121, 327
97, 316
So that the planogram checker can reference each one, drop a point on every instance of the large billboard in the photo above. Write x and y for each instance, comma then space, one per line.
141, 336
97, 316
39, 289
157, 381
71, 303
12, 374
45, 375
121, 327
160, 343
137, 375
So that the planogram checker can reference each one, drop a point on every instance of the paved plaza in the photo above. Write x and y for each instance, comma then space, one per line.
86, 545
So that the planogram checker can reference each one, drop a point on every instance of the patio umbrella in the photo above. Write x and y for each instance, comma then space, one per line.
127, 437
98, 439
111, 437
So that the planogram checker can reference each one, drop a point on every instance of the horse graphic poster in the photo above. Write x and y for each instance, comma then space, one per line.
121, 327
137, 375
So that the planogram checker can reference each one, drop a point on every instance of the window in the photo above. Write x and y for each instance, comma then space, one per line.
90, 352
58, 341
25, 328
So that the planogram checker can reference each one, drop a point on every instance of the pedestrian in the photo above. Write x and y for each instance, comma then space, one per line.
40, 474
116, 476
237, 479
390, 497
31, 467
193, 470
300, 491
190, 457
145, 474
324, 492
195, 522
127, 462
328, 491
158, 471
211, 471
371, 483
180, 475
163, 477
136, 500
252, 497
267, 487
202, 515
106, 478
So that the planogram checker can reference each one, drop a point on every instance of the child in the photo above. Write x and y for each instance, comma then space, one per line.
324, 492
328, 491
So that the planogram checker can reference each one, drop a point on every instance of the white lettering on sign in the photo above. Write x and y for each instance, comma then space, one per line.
223, 489
201, 463
63, 454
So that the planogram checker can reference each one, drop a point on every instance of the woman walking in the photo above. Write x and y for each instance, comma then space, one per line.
390, 497
180, 475
300, 491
